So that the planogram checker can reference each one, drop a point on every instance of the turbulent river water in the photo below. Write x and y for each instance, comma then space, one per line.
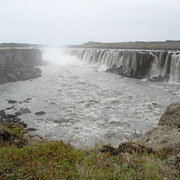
85, 105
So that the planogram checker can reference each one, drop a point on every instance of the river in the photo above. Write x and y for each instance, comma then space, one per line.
85, 105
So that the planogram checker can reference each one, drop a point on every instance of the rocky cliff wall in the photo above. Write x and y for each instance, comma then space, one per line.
152, 65
19, 64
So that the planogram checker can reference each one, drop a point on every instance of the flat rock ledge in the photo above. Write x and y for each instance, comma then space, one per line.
167, 133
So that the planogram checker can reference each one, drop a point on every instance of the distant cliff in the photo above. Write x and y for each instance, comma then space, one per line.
152, 65
19, 64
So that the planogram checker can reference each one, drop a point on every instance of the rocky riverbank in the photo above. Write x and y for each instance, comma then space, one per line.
19, 64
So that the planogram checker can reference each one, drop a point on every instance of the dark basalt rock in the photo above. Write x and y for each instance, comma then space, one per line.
19, 64
2, 114
12, 107
53, 103
30, 129
12, 101
134, 65
27, 100
23, 111
40, 113
11, 116
11, 119
23, 124
156, 79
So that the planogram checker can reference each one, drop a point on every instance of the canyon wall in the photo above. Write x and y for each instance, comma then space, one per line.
152, 65
19, 64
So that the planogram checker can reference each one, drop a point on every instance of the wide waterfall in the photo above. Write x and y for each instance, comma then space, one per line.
152, 65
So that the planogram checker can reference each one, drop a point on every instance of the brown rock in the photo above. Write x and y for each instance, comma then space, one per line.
167, 133
172, 116
160, 138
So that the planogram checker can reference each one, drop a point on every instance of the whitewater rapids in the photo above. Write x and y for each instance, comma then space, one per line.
85, 105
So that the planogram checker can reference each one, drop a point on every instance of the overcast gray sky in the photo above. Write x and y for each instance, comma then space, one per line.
79, 21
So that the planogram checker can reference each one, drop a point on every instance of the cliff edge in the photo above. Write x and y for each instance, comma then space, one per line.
19, 64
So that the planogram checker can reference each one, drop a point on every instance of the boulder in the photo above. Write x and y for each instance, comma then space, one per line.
2, 114
30, 129
156, 79
11, 116
161, 137
172, 116
23, 111
167, 133
12, 101
40, 113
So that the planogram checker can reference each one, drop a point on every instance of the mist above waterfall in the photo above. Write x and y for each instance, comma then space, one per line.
58, 56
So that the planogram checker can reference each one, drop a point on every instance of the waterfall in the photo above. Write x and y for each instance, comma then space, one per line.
152, 65
175, 68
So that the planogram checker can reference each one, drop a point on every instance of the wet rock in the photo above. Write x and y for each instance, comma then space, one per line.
134, 64
2, 114
156, 79
11, 115
23, 124
23, 111
5, 135
30, 129
17, 120
172, 116
9, 108
53, 103
155, 104
40, 113
12, 101
28, 99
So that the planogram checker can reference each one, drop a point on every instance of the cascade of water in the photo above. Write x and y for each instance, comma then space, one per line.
158, 65
175, 68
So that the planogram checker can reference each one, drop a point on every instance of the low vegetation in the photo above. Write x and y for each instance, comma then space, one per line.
43, 159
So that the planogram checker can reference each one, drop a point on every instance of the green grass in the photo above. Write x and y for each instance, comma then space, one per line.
57, 160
